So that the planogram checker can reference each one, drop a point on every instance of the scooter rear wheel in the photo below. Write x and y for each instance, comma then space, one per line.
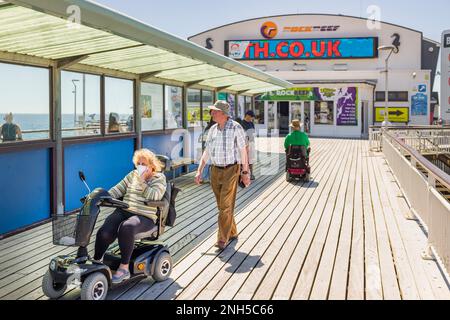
288, 176
163, 267
95, 287
50, 288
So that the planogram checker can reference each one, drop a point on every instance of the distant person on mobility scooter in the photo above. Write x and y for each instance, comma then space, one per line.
144, 184
296, 145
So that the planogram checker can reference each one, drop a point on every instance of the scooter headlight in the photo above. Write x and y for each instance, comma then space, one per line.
53, 265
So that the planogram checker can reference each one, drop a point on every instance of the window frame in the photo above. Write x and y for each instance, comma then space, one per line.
34, 143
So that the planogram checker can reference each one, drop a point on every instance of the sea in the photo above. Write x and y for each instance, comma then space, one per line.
29, 123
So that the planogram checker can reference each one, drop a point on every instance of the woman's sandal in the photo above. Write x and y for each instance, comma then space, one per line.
124, 276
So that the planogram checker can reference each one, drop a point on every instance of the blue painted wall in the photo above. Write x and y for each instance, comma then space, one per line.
24, 188
103, 163
168, 145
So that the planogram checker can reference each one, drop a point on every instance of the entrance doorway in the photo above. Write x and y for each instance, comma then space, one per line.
283, 117
301, 110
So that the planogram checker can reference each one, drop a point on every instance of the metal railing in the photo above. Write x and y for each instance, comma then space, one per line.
422, 184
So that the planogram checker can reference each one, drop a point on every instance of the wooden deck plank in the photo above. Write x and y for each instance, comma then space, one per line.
339, 277
331, 217
391, 290
289, 272
373, 285
356, 277
329, 259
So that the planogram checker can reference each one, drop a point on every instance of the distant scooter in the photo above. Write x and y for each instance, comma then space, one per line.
149, 258
297, 163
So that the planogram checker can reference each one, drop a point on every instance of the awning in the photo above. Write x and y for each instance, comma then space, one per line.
107, 39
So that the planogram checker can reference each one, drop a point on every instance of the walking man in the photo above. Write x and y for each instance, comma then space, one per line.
249, 128
226, 147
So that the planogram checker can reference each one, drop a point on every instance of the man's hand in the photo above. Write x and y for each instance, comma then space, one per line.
198, 177
245, 178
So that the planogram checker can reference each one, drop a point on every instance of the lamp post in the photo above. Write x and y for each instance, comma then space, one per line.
75, 102
391, 49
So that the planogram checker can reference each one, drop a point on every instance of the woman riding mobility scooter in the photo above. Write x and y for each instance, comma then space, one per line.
150, 257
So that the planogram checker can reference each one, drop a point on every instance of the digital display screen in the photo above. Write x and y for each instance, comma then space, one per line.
302, 49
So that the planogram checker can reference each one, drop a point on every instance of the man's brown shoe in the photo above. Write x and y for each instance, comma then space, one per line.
221, 244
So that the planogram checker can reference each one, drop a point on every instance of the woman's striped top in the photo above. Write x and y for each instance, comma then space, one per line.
136, 192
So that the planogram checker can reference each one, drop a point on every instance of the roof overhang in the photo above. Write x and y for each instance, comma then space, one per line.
103, 38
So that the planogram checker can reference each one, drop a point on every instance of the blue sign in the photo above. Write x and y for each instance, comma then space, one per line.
302, 49
419, 104
422, 88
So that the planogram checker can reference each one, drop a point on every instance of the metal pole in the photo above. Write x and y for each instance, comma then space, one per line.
57, 136
84, 101
386, 94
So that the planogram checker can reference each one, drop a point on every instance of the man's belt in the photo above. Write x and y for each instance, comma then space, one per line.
224, 167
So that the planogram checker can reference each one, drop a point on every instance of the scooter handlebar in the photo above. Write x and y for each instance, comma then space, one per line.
111, 202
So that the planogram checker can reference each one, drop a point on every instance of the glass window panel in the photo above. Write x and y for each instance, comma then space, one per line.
259, 112
207, 100
241, 107
119, 102
80, 104
248, 103
24, 103
324, 112
193, 108
152, 106
174, 107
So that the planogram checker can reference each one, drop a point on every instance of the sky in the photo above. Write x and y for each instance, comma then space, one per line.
185, 18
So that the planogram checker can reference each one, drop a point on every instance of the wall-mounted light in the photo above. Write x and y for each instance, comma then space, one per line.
299, 67
261, 67
414, 74
340, 67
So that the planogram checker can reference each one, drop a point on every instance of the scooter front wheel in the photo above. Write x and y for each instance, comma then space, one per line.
50, 288
95, 287
163, 267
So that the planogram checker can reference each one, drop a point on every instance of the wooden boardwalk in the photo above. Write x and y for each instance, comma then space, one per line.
343, 235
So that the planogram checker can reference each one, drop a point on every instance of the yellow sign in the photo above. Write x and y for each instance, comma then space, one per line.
395, 114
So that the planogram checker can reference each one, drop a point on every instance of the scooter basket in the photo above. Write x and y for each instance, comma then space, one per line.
72, 230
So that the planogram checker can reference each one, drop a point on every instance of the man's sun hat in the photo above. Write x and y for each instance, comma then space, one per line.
295, 124
221, 105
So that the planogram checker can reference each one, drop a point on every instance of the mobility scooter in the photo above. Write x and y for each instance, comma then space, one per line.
150, 257
297, 163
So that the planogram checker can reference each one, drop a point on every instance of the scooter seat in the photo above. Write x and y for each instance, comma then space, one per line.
152, 233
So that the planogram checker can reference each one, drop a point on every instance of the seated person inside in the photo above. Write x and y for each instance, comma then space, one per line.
144, 184
296, 137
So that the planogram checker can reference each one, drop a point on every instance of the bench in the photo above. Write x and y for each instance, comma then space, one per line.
173, 164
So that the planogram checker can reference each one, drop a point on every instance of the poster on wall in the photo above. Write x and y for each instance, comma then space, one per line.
346, 107
445, 77
419, 101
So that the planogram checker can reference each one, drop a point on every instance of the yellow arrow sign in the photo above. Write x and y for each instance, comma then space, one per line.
395, 114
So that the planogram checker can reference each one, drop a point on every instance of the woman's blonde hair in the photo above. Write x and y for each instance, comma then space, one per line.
153, 161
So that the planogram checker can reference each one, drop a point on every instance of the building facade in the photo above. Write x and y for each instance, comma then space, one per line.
338, 70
